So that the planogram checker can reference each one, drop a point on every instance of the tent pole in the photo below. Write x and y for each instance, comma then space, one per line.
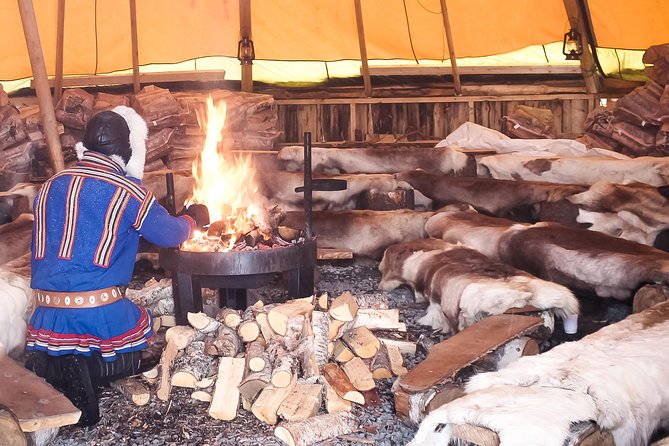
363, 49
135, 51
245, 36
588, 67
60, 34
31, 33
451, 50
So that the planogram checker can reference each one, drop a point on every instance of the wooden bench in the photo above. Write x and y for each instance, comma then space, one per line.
33, 403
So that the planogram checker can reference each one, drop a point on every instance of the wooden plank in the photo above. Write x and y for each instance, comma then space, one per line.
451, 355
225, 400
144, 78
333, 254
135, 47
35, 403
422, 70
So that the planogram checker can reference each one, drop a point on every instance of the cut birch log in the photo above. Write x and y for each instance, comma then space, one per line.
202, 322
279, 315
302, 402
155, 295
315, 429
205, 383
333, 402
248, 328
320, 323
225, 342
132, 390
362, 342
225, 399
265, 330
337, 329
322, 302
284, 366
396, 360
151, 376
254, 383
378, 319
10, 428
405, 347
192, 366
229, 317
269, 401
177, 339
255, 356
359, 375
344, 308
204, 395
294, 330
168, 320
337, 378
380, 364
341, 352
305, 352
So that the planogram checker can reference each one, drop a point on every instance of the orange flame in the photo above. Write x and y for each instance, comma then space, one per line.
223, 182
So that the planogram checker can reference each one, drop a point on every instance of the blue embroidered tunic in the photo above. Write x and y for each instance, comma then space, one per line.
88, 220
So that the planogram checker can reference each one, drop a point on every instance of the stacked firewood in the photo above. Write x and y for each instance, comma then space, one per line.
529, 123
175, 136
285, 363
638, 123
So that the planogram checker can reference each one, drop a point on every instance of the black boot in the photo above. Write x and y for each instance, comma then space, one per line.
125, 364
81, 390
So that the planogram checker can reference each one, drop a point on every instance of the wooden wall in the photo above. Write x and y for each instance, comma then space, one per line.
426, 118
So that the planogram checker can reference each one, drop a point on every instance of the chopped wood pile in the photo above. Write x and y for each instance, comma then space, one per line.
638, 123
175, 136
300, 365
527, 122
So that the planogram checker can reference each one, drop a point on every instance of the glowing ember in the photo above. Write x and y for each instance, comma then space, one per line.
225, 184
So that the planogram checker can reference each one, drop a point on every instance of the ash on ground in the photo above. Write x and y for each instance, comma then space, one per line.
184, 421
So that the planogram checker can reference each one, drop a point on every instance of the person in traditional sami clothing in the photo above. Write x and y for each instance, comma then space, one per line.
88, 222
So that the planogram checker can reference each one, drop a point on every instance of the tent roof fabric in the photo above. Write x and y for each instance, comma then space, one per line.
97, 33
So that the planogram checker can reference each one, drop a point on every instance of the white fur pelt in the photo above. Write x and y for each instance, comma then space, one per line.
463, 286
16, 304
616, 377
644, 169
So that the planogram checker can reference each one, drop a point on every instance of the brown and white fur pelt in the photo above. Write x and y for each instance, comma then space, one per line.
279, 188
16, 304
386, 160
580, 259
365, 233
645, 169
635, 211
496, 197
616, 377
463, 286
15, 238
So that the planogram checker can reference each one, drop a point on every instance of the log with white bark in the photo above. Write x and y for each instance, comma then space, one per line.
320, 324
192, 366
341, 353
248, 328
322, 302
380, 365
333, 402
359, 375
205, 395
256, 356
225, 342
225, 399
344, 308
362, 342
315, 429
294, 329
202, 322
269, 401
279, 315
178, 338
263, 322
378, 319
254, 383
155, 295
229, 317
132, 390
284, 366
396, 359
405, 347
303, 402
337, 378
337, 328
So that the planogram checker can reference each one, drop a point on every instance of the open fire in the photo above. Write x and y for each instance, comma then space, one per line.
225, 183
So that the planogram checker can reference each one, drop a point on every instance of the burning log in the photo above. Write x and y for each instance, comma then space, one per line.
225, 400
313, 430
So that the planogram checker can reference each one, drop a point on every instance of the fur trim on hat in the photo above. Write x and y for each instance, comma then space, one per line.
138, 133
80, 149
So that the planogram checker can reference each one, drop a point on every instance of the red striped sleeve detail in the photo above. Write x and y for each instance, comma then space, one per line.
40, 221
71, 213
110, 233
144, 210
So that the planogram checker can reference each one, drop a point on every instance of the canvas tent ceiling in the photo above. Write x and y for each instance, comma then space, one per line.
304, 34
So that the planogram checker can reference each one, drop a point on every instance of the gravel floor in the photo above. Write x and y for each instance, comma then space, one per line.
183, 421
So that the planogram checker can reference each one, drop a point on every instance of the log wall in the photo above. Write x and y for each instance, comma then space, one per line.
425, 118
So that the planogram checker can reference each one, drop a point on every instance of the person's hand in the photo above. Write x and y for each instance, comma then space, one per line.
198, 212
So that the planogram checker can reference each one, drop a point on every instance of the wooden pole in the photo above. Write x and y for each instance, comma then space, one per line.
135, 51
31, 33
363, 49
451, 50
60, 34
588, 67
245, 34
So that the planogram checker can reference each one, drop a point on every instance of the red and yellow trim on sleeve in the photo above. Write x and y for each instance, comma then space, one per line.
71, 214
143, 211
112, 220
40, 221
